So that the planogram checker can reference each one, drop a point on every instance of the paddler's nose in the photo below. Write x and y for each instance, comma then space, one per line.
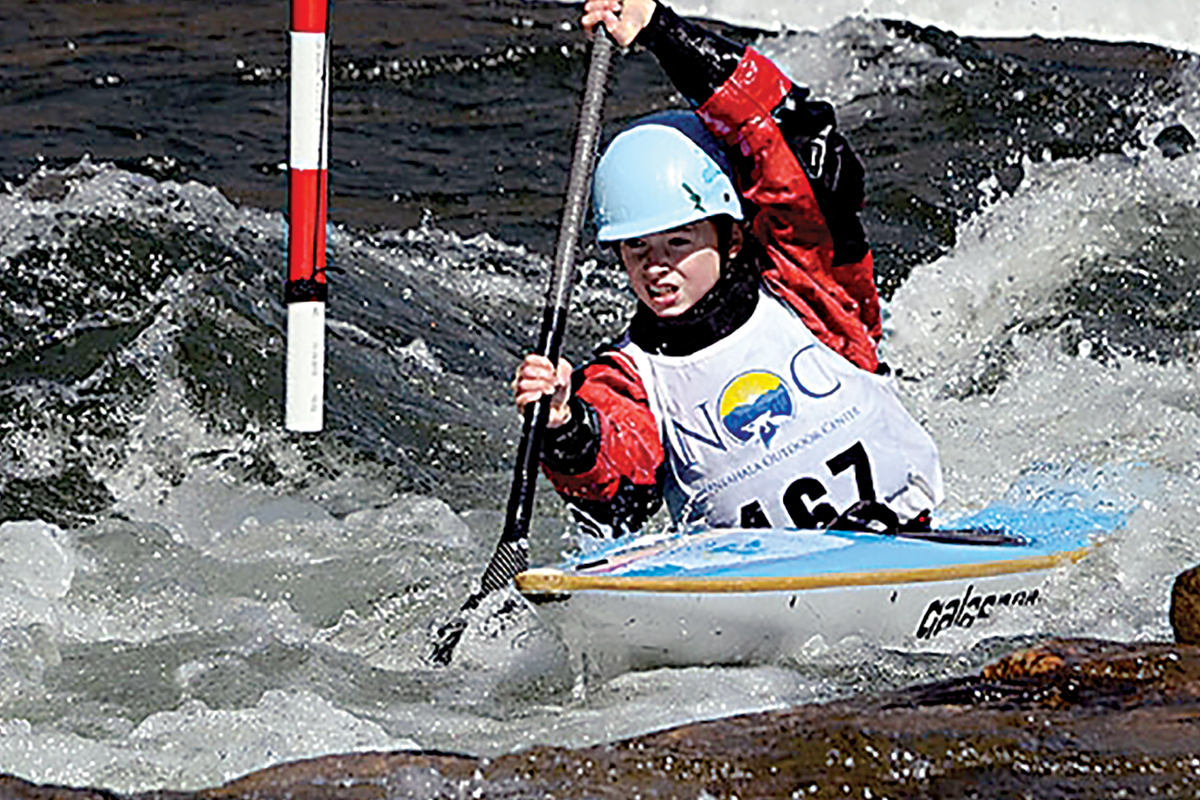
656, 268
657, 258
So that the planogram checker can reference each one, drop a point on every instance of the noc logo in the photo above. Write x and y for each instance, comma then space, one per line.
755, 404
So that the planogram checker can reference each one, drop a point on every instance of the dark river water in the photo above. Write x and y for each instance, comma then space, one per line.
212, 595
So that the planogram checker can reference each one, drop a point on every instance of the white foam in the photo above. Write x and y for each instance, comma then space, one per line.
1125, 426
32, 556
1170, 23
194, 746
1013, 256
36, 569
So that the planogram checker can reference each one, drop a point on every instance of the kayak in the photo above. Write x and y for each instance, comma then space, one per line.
753, 595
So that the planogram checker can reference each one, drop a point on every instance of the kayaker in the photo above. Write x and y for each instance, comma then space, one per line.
747, 389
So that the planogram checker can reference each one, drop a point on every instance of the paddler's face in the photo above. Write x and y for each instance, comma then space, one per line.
670, 271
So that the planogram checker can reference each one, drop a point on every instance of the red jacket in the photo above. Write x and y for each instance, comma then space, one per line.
621, 486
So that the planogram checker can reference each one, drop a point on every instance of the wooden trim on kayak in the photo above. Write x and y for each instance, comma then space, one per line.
553, 581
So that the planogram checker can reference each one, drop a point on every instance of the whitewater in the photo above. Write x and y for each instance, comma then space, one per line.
1168, 23
187, 593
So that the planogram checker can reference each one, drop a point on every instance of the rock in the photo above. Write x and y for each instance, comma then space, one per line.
1175, 141
16, 789
1080, 719
1185, 606
1023, 664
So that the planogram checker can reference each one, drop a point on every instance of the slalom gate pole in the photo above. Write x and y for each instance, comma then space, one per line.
305, 292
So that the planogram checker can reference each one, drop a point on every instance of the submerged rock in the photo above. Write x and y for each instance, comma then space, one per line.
1175, 141
1068, 718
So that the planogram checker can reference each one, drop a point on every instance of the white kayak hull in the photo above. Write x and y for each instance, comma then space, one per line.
744, 597
617, 631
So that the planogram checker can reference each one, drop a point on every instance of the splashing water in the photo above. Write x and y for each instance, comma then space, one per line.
196, 569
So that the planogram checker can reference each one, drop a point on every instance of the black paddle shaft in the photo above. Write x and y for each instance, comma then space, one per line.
512, 551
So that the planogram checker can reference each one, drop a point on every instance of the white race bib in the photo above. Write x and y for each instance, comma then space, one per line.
769, 427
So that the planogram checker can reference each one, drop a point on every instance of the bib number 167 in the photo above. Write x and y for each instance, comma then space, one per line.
801, 496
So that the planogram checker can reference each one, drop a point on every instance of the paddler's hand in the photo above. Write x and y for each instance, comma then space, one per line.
537, 377
624, 19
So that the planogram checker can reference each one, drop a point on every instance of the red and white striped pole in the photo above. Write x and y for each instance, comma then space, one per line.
308, 184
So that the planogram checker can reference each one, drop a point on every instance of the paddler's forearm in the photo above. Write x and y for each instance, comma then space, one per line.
607, 465
571, 448
696, 60
611, 439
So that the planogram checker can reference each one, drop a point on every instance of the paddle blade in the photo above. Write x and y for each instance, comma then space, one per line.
510, 559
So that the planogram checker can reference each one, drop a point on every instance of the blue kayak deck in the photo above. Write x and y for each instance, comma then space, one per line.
782, 552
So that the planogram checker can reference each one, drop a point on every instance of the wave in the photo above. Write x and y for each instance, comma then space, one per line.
1158, 22
132, 306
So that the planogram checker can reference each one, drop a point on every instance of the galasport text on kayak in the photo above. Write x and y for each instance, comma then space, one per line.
961, 612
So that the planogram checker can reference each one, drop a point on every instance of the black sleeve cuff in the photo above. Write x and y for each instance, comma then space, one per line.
571, 449
696, 60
